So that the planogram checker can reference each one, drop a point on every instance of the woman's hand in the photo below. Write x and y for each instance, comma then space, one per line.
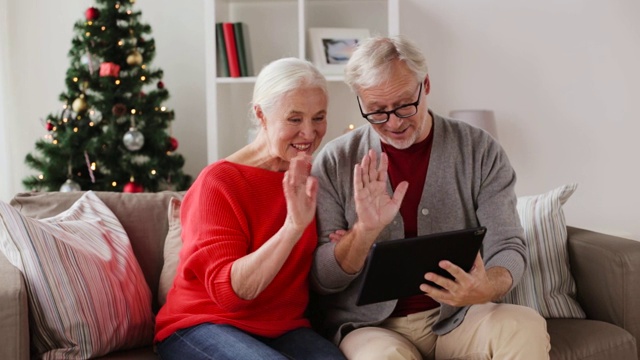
300, 191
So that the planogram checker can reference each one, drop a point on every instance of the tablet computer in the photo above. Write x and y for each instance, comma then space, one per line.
396, 268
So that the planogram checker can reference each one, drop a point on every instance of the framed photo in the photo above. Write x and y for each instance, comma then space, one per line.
331, 48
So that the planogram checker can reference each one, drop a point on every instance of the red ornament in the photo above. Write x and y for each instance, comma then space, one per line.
92, 14
133, 187
49, 126
173, 144
109, 69
119, 109
160, 85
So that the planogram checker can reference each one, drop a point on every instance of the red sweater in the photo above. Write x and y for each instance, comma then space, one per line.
229, 212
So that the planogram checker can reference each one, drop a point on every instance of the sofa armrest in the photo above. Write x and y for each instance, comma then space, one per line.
606, 269
14, 313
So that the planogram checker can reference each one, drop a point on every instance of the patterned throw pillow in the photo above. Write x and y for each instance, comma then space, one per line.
87, 293
172, 246
547, 285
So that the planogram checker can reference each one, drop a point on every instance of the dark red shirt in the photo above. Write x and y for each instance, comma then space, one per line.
411, 165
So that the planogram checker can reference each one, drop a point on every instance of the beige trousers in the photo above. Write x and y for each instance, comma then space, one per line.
489, 331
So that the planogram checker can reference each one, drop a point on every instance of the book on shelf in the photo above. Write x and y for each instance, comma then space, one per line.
221, 53
232, 49
242, 44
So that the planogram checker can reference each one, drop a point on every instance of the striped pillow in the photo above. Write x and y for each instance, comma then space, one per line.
87, 294
547, 286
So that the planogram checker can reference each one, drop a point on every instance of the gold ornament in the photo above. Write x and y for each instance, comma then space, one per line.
134, 58
79, 105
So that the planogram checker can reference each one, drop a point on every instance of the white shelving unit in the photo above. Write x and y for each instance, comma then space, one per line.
278, 28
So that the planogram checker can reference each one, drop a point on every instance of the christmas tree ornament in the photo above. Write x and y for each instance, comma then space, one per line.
92, 14
95, 116
49, 126
173, 144
133, 140
160, 85
79, 105
69, 186
91, 61
132, 187
134, 58
109, 69
119, 109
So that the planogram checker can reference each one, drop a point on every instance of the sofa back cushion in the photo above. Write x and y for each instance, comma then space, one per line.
143, 216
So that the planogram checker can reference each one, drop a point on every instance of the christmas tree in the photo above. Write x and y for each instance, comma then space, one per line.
112, 133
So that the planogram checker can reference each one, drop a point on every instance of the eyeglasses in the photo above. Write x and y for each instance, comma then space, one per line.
403, 111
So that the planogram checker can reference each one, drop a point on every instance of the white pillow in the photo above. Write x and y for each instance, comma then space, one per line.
172, 247
87, 293
547, 285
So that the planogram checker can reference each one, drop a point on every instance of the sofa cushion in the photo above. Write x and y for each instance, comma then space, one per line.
547, 285
573, 339
172, 247
87, 293
143, 216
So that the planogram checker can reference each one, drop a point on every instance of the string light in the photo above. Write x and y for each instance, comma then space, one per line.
91, 123
114, 184
41, 177
75, 79
143, 78
103, 28
89, 23
55, 141
117, 7
75, 129
163, 108
133, 111
153, 172
93, 166
87, 34
118, 82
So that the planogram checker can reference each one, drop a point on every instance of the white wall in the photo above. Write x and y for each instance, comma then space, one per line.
563, 79
40, 38
561, 76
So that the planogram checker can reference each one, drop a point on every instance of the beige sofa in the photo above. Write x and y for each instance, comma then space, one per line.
606, 269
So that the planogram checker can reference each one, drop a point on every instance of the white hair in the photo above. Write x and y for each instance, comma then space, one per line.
370, 63
282, 76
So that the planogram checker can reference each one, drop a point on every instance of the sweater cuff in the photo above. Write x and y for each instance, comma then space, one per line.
329, 274
510, 260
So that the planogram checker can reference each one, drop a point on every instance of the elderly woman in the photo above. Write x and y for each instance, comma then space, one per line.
249, 233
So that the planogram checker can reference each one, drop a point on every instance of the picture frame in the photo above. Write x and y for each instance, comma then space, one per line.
331, 48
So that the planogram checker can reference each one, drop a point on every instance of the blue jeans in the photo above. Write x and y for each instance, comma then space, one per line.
220, 342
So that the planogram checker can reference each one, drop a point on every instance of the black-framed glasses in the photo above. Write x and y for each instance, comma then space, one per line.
403, 111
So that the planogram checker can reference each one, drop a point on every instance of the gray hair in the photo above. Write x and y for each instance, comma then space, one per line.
370, 62
282, 76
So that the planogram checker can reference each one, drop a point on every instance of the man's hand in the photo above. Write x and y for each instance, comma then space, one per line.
375, 209
478, 286
374, 206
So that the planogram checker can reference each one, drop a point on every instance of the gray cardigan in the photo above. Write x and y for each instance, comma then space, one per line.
470, 182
